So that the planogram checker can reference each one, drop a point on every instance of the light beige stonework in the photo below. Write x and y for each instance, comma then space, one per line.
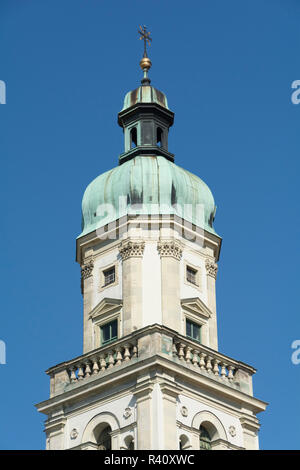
153, 386
170, 252
132, 255
88, 292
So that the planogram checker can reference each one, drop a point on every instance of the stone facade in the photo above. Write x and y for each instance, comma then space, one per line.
153, 386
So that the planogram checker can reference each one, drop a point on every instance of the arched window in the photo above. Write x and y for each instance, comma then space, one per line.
104, 439
99, 430
184, 442
133, 138
131, 446
129, 443
159, 134
205, 439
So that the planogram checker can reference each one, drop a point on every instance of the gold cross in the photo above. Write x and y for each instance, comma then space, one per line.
145, 36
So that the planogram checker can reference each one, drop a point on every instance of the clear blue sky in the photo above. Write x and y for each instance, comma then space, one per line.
227, 69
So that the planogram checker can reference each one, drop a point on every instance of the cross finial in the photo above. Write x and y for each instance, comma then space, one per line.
145, 63
145, 36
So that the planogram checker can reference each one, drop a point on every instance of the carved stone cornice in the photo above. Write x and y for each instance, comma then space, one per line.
143, 391
170, 391
250, 423
211, 268
170, 248
129, 249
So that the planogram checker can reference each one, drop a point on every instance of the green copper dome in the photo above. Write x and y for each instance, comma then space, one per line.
156, 184
145, 94
146, 181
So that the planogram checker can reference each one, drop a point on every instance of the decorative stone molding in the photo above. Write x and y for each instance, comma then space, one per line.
102, 286
232, 431
250, 424
106, 307
184, 411
196, 307
74, 433
130, 249
170, 248
103, 417
127, 412
223, 444
216, 426
211, 268
87, 270
170, 392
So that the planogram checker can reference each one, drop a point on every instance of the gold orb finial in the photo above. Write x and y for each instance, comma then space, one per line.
145, 63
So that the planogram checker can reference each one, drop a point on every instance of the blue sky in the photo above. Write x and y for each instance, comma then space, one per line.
227, 69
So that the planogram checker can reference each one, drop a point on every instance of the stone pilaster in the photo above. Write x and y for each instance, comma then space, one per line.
170, 394
115, 445
87, 291
132, 257
195, 439
250, 427
143, 395
170, 253
55, 430
211, 275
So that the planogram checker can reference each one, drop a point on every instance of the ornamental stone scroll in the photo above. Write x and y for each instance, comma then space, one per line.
87, 270
129, 249
170, 248
211, 268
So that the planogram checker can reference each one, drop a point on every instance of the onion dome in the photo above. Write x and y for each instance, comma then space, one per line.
147, 181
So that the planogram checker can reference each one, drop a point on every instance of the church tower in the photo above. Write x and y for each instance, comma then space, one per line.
151, 375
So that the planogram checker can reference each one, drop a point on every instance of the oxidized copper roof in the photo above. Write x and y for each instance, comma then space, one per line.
145, 94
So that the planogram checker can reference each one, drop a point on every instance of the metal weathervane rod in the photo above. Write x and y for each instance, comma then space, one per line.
145, 63
145, 36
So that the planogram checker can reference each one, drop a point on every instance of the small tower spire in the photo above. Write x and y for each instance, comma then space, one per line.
145, 62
